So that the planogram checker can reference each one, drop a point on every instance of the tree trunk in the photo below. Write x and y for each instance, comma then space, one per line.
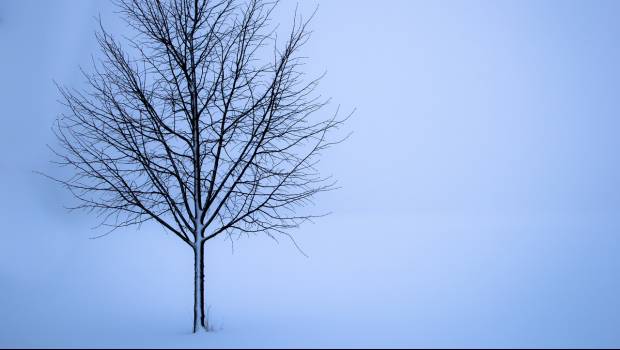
199, 289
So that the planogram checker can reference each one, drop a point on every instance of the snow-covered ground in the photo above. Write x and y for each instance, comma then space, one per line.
475, 281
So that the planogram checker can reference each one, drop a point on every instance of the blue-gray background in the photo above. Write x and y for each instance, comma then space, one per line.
480, 202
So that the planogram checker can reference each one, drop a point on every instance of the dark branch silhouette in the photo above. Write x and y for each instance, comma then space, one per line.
203, 122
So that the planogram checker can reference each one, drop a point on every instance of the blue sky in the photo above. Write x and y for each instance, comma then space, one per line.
479, 202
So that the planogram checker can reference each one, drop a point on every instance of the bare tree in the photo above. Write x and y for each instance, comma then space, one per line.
203, 122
